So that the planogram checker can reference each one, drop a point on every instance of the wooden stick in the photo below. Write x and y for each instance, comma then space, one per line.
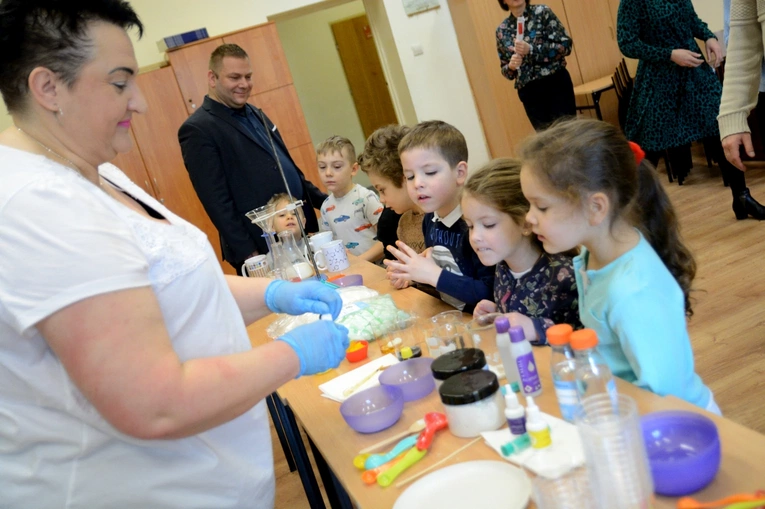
437, 463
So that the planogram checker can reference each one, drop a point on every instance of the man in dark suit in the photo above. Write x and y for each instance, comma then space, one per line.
228, 155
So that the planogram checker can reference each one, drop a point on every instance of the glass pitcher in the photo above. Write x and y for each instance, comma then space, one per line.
299, 269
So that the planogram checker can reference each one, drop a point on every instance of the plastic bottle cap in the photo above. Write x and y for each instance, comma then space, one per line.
511, 400
502, 324
584, 339
559, 334
516, 334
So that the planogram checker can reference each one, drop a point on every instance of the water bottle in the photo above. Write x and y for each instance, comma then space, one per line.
562, 368
502, 325
592, 373
531, 385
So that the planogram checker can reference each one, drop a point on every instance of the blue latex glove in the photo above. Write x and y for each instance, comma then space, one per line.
306, 297
319, 345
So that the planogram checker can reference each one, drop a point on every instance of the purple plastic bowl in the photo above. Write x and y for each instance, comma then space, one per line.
352, 280
373, 409
683, 451
413, 377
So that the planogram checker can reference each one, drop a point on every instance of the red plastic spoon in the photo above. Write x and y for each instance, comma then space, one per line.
434, 421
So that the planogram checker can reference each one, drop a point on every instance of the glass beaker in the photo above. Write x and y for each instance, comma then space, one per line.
616, 459
484, 337
299, 269
436, 322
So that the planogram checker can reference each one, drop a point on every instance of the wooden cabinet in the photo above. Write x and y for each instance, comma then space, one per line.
263, 46
190, 65
595, 54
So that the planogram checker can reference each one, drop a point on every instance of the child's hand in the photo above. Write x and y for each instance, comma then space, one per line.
484, 308
396, 281
518, 319
413, 267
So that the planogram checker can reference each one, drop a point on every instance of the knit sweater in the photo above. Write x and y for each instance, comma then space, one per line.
744, 57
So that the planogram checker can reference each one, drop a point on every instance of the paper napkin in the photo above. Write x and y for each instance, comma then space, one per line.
334, 388
566, 449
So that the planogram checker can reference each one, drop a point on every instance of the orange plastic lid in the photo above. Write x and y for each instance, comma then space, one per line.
559, 334
584, 339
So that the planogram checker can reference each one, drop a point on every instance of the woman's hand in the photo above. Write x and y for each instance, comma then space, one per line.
714, 52
319, 345
731, 144
305, 297
484, 308
515, 62
412, 266
521, 48
686, 58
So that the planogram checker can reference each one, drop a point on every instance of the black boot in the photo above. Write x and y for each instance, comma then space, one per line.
744, 206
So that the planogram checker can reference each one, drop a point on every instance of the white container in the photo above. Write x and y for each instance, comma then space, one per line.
473, 403
502, 326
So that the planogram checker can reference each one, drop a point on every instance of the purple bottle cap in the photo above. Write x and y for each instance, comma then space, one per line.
502, 324
516, 334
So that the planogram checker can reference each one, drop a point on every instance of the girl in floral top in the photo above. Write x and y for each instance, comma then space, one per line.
537, 62
535, 289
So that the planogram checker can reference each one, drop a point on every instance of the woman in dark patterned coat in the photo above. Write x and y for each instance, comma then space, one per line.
677, 94
537, 63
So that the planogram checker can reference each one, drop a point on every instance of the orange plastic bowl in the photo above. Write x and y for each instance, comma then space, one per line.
357, 351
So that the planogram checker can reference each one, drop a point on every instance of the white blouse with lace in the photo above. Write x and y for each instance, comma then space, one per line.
62, 240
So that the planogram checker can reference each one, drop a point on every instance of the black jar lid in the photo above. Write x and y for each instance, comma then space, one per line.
457, 361
468, 387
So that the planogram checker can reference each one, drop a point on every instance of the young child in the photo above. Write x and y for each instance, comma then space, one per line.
381, 163
434, 157
351, 211
537, 290
287, 219
588, 186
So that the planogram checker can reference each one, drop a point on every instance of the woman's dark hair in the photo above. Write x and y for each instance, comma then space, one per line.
51, 34
577, 157
506, 7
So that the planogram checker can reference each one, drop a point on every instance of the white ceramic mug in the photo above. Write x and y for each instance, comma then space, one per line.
333, 256
257, 266
316, 241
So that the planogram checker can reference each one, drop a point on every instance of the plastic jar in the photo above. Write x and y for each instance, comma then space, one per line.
473, 403
457, 361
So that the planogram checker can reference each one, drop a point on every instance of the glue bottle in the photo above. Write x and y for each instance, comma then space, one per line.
516, 417
536, 426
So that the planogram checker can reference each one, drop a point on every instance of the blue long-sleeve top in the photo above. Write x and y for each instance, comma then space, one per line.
637, 309
464, 280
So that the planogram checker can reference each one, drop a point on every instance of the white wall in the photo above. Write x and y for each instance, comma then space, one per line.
319, 76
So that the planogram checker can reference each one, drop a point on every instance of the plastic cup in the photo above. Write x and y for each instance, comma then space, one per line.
406, 332
616, 458
446, 332
571, 490
483, 335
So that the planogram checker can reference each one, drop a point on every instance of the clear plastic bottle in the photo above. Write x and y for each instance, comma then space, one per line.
531, 384
502, 325
562, 368
592, 373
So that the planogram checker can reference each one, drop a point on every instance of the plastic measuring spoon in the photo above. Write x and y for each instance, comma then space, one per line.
375, 460
415, 427
692, 503
747, 505
410, 458
370, 476
434, 421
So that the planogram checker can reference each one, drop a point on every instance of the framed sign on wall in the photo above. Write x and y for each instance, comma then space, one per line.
416, 6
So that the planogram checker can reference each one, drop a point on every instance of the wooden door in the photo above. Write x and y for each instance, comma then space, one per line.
190, 65
364, 73
269, 64
157, 135
131, 163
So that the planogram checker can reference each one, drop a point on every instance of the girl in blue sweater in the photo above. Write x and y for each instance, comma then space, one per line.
588, 186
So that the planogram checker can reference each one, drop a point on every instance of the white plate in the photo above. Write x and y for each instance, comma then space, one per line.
494, 484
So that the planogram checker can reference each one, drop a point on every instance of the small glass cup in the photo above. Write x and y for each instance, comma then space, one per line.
484, 337
405, 333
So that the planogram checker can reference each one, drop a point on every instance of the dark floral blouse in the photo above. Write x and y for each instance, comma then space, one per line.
547, 294
550, 44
